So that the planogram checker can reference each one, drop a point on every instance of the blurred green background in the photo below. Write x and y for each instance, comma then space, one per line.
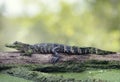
73, 22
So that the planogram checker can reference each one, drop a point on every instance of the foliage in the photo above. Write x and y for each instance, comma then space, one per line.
8, 78
91, 24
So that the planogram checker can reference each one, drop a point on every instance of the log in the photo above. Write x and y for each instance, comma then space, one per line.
16, 58
32, 68
67, 63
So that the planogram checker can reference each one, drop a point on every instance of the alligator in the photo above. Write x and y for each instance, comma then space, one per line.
55, 49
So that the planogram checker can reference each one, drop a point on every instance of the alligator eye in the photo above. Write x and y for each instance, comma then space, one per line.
16, 42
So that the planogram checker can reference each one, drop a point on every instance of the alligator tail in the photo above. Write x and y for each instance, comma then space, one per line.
92, 50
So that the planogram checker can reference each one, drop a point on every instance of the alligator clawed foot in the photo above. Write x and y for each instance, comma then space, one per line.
54, 60
24, 54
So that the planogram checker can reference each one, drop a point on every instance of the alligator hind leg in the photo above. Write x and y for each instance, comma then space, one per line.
55, 54
27, 53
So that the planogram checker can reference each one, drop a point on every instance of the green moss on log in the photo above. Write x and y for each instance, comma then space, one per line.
36, 76
68, 66
43, 77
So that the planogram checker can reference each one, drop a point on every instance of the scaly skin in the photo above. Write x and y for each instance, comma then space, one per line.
55, 49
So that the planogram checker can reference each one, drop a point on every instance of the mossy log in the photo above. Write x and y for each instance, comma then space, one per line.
34, 67
16, 58
67, 63
43, 77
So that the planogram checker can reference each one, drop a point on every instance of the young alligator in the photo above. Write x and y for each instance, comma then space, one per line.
55, 50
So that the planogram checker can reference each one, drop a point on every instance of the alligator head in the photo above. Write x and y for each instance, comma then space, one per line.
17, 45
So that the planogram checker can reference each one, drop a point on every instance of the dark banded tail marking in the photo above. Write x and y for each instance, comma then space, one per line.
75, 50
49, 49
79, 51
42, 49
96, 51
36, 49
45, 48
72, 50
64, 48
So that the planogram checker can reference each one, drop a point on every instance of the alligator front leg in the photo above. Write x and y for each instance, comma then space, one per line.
27, 53
24, 54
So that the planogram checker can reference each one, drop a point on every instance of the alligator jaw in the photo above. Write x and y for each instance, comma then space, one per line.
10, 45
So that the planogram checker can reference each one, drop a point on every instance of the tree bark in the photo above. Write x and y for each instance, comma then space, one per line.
16, 58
